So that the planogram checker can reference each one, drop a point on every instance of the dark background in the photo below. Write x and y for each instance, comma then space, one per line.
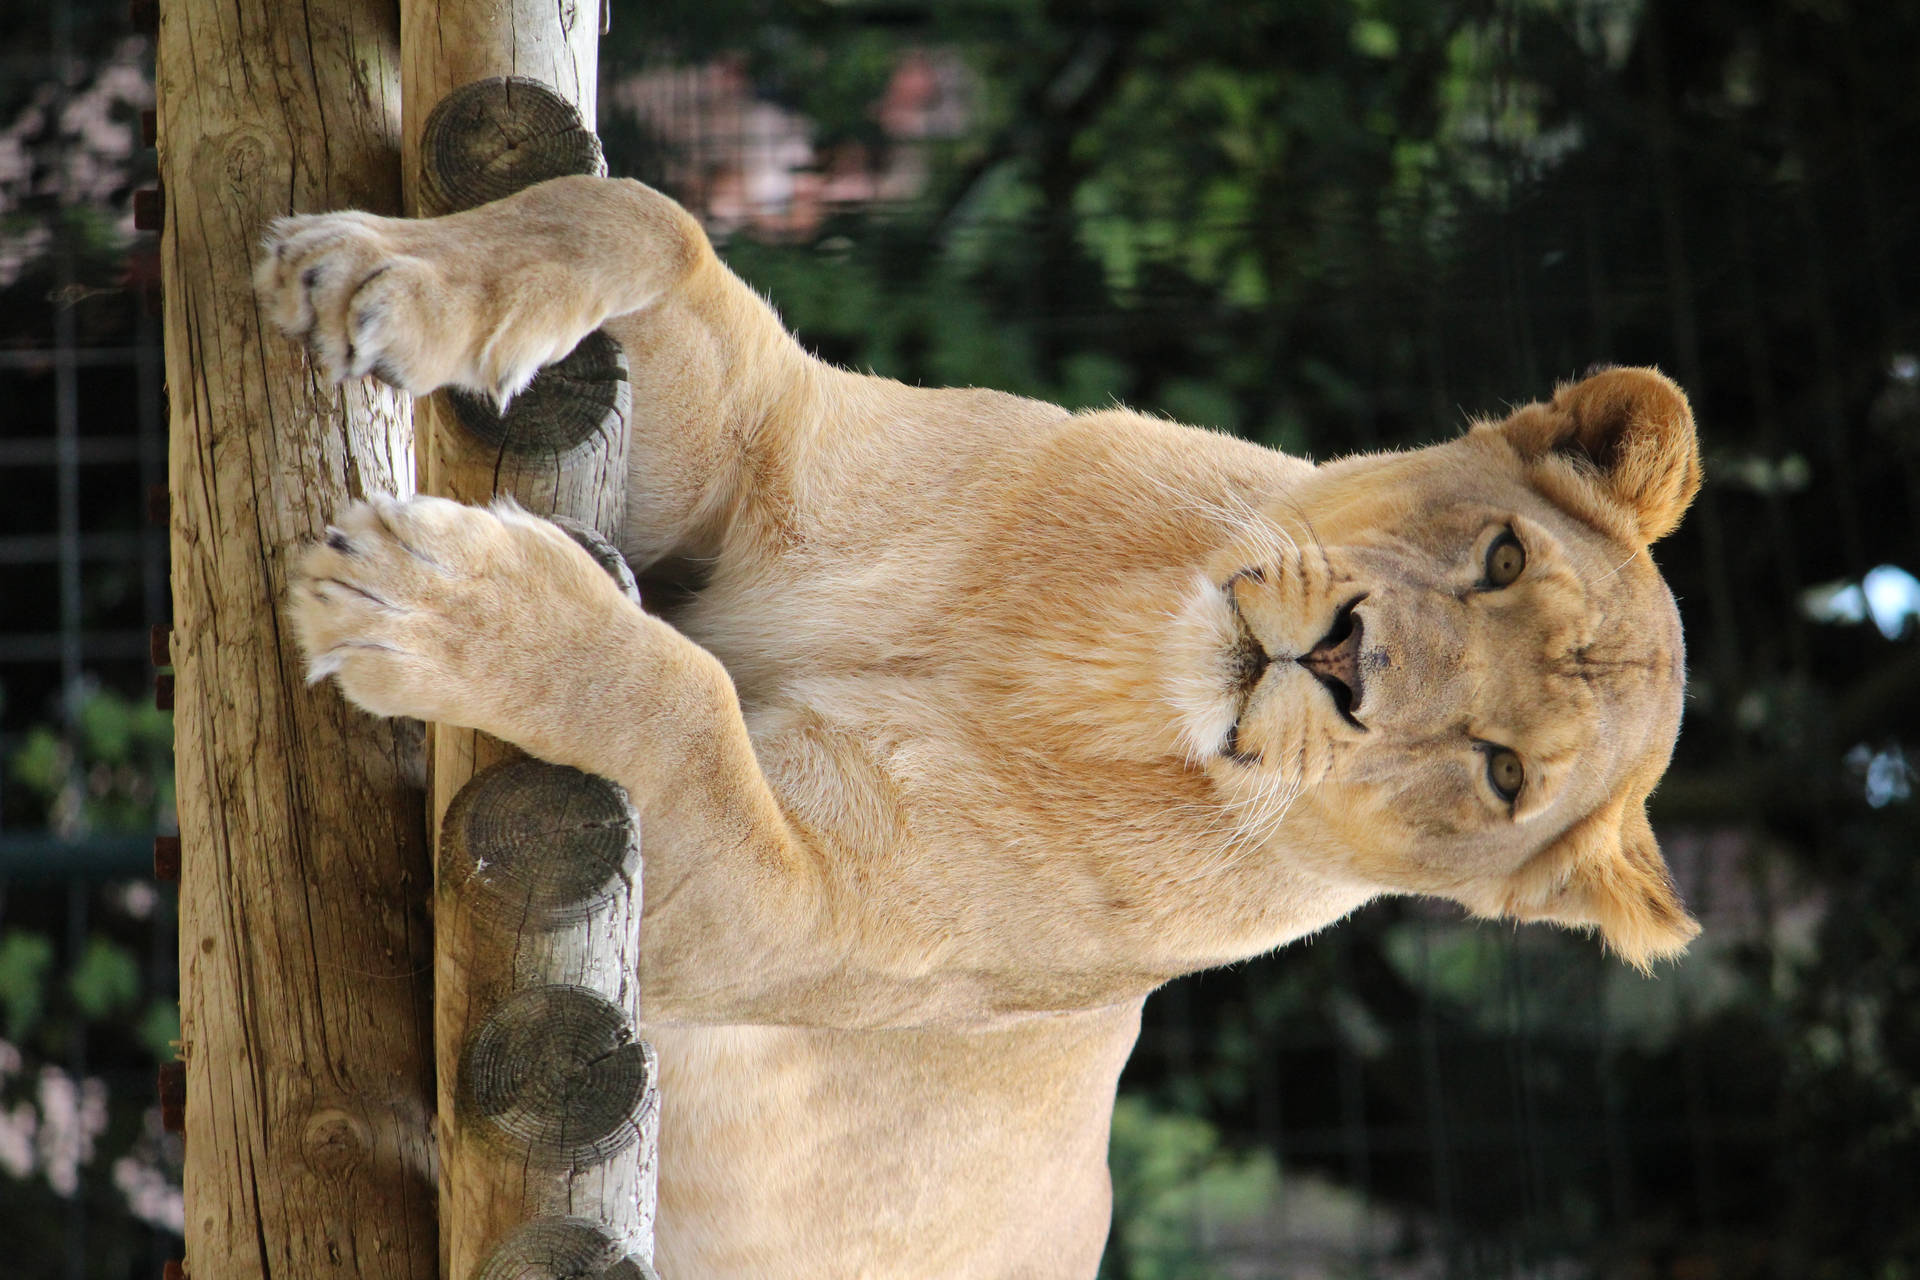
1327, 225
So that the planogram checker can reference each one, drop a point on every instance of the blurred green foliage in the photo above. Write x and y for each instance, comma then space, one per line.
25, 958
110, 770
1333, 225
84, 1004
104, 981
1171, 1175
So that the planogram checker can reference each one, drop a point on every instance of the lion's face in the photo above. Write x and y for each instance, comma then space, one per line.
1458, 666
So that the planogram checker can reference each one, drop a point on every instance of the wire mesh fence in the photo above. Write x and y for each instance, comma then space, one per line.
1336, 226
88, 1177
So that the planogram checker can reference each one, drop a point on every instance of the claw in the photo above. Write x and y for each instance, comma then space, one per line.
324, 665
502, 395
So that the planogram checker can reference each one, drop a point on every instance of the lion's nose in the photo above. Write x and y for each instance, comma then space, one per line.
1335, 661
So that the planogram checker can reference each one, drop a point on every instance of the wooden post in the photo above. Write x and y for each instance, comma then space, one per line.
499, 94
548, 1112
304, 864
554, 1118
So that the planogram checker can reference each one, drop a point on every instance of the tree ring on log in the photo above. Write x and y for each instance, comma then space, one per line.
575, 399
556, 1072
553, 1248
494, 137
533, 845
604, 554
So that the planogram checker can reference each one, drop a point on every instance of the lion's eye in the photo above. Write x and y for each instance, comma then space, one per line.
1506, 559
1505, 774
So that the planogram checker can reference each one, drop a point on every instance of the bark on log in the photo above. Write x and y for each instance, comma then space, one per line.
548, 1119
454, 46
554, 1111
304, 945
561, 1249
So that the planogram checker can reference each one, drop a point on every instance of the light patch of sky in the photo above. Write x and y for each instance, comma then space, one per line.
1889, 597
1886, 594
1886, 776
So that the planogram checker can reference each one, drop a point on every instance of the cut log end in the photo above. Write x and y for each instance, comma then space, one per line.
529, 844
580, 397
494, 137
553, 1248
556, 1073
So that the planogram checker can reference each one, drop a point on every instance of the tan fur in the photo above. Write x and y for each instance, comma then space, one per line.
953, 760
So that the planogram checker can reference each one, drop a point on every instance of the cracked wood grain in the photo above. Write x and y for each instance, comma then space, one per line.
305, 1018
493, 1193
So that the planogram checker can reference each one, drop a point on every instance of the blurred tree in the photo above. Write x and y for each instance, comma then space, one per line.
1346, 224
1343, 224
110, 772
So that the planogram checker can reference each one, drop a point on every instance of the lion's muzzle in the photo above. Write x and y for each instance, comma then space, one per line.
1335, 661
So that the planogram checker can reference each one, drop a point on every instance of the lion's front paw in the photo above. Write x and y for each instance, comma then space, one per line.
375, 604
340, 283
439, 611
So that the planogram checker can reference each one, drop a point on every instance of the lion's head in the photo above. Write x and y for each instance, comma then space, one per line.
1460, 665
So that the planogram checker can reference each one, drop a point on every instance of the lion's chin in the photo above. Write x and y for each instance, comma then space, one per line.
1213, 667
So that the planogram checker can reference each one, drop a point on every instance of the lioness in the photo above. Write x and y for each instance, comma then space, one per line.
990, 717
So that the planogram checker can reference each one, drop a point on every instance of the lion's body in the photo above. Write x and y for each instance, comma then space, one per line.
924, 1152
988, 718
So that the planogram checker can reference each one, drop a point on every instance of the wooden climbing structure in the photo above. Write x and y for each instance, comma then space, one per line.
322, 1100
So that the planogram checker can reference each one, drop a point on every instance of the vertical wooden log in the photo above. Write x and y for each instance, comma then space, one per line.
554, 1111
478, 126
304, 947
548, 1118
481, 67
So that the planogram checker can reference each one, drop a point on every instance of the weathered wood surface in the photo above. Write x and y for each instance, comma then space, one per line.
554, 1108
546, 1108
488, 138
447, 45
304, 945
450, 45
561, 1249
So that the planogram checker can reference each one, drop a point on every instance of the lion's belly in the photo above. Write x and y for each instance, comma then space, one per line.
799, 1152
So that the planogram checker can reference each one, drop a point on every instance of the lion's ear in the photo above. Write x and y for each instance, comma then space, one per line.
1634, 428
1606, 873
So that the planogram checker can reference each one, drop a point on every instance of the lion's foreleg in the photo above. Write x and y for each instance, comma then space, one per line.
485, 298
496, 620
